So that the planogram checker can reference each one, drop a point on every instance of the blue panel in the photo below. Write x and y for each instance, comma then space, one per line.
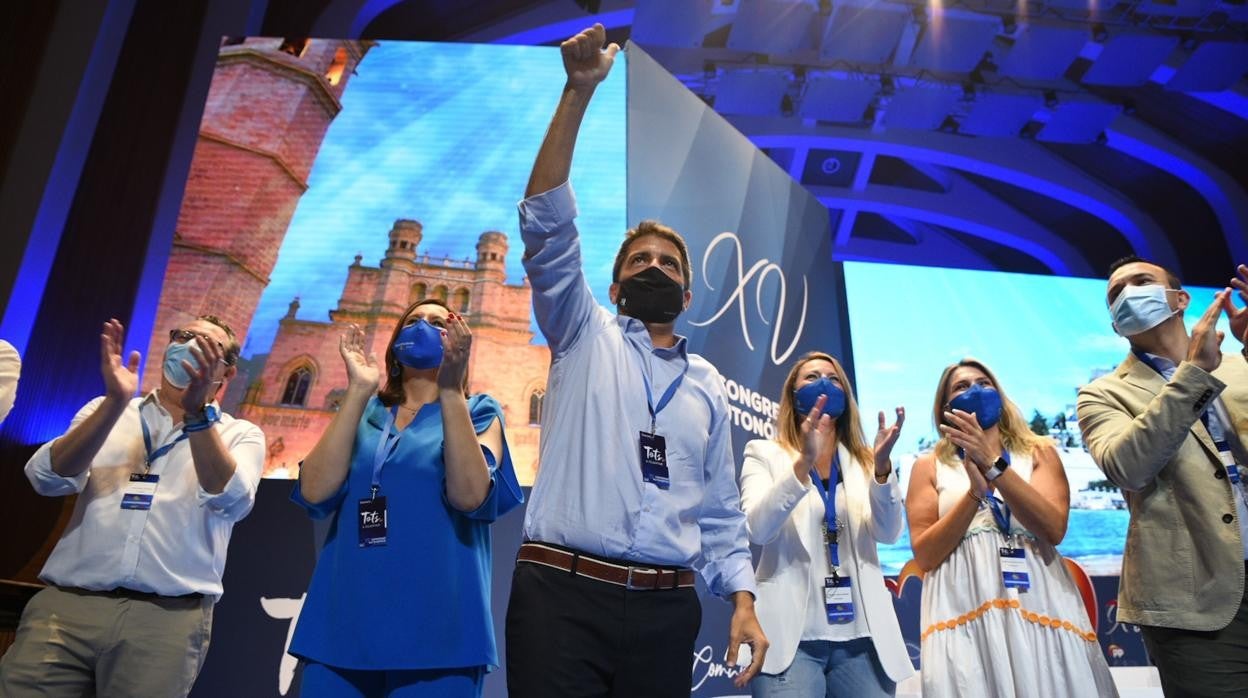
863, 33
844, 100
955, 41
773, 26
665, 23
922, 108
1214, 66
1078, 122
748, 91
1128, 59
1000, 114
1042, 52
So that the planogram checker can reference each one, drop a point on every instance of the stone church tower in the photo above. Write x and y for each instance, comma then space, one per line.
269, 106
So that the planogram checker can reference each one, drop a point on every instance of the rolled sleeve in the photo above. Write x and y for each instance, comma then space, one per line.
545, 214
563, 303
45, 481
39, 468
235, 500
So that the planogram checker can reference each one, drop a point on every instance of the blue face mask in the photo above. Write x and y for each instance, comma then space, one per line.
419, 346
806, 396
174, 372
985, 403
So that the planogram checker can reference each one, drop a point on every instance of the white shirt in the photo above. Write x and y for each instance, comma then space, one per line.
178, 546
10, 367
817, 625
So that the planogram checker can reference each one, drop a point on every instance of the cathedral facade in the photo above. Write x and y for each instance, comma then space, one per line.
303, 378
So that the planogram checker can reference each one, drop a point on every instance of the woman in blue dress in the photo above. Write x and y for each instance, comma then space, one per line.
413, 474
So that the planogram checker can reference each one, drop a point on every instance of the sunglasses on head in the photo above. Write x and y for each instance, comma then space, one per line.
180, 336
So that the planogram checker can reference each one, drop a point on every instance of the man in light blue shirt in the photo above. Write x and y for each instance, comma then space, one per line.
161, 480
637, 480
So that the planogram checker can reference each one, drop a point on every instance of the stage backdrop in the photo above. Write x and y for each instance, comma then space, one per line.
335, 182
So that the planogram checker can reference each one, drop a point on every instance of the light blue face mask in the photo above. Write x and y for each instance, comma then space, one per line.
175, 373
1140, 308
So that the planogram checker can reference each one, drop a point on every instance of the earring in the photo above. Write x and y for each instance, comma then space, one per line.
394, 370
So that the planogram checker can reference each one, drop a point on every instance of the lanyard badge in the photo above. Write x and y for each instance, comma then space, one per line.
838, 600
652, 447
373, 516
139, 492
1014, 572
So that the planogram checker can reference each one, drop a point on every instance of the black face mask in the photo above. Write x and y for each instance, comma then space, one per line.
651, 296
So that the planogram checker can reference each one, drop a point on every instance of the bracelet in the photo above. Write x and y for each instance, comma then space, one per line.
979, 499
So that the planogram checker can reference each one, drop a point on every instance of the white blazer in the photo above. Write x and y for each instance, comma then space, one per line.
780, 517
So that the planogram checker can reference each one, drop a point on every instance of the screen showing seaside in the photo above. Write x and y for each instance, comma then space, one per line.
1042, 336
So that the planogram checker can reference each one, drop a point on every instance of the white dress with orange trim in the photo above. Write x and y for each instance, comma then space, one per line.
980, 638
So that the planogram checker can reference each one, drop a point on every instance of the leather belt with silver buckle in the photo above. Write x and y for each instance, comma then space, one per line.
633, 578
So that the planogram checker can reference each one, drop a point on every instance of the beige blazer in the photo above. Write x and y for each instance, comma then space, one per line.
780, 518
1183, 566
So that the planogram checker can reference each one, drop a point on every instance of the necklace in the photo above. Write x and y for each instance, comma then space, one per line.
413, 410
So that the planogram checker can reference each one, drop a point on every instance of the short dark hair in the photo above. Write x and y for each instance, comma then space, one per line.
1172, 279
649, 228
233, 348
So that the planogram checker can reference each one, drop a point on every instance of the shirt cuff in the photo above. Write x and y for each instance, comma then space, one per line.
46, 481
235, 491
737, 575
543, 214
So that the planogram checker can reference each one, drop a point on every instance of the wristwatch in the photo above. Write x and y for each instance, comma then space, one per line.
199, 421
997, 468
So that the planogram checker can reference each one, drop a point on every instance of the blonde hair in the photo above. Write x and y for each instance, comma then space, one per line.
1016, 437
848, 426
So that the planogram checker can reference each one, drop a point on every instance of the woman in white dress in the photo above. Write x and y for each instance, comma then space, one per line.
1000, 616
822, 600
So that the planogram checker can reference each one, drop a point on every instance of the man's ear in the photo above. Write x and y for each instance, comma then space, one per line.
688, 300
1184, 300
613, 292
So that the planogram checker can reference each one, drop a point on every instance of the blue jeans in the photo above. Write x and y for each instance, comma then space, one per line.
823, 668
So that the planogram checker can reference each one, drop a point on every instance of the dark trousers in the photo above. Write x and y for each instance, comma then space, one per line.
572, 636
1202, 664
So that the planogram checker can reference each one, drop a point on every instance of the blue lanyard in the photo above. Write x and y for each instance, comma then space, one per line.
147, 443
666, 398
828, 495
1000, 514
386, 443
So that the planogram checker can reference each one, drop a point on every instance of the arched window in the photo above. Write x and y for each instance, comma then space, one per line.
535, 407
296, 392
294, 47
459, 301
339, 64
440, 293
418, 292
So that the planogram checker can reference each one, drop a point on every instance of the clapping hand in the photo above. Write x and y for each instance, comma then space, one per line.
121, 380
962, 428
584, 59
816, 431
1238, 316
885, 439
208, 354
456, 348
1204, 349
362, 371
